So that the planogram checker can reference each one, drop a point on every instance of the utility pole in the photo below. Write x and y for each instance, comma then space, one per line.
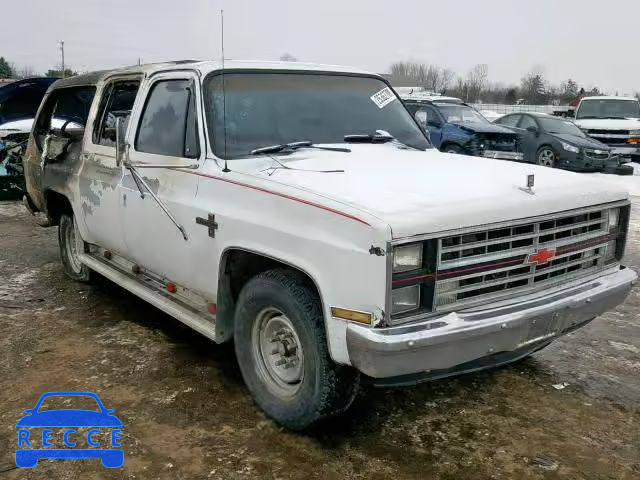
61, 45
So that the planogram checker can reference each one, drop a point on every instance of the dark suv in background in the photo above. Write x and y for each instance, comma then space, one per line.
456, 127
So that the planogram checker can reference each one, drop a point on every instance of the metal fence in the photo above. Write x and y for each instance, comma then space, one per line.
504, 109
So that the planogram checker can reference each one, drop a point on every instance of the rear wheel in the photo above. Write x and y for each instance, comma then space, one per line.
71, 245
546, 157
281, 347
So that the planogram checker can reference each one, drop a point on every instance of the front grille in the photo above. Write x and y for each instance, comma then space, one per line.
610, 137
473, 267
595, 131
597, 154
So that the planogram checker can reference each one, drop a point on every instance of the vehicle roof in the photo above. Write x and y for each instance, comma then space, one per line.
26, 81
426, 97
612, 97
534, 114
204, 67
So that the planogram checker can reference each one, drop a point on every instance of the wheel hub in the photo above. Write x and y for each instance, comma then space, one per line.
279, 349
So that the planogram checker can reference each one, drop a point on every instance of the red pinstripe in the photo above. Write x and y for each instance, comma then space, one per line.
277, 194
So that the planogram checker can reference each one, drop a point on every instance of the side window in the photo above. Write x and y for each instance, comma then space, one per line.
509, 120
168, 125
433, 117
117, 102
67, 104
527, 122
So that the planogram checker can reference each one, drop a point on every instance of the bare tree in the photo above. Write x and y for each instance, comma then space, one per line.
447, 79
533, 86
476, 81
27, 71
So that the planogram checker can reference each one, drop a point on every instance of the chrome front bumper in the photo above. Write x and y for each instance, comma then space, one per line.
445, 342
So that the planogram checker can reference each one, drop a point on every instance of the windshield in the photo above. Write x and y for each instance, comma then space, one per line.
460, 113
555, 125
264, 109
609, 109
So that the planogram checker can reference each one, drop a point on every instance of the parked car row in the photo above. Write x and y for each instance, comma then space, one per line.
300, 211
455, 127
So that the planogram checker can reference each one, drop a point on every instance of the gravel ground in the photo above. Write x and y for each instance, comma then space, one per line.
187, 414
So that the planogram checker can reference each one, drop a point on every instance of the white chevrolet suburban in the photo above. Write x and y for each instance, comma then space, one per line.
614, 121
300, 211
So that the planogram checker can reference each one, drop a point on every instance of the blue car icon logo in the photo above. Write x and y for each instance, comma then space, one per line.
29, 452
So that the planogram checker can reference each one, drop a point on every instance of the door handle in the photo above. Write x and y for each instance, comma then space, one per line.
88, 156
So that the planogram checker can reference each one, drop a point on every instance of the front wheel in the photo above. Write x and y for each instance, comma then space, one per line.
71, 245
281, 346
547, 157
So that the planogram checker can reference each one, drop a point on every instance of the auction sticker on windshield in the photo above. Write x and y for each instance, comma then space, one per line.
383, 97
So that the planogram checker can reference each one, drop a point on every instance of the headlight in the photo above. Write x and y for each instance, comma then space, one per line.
635, 133
614, 218
405, 299
570, 148
407, 257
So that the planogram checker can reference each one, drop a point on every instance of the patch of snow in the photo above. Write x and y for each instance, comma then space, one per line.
630, 182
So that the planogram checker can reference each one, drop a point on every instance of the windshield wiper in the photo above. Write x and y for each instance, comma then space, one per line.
369, 138
295, 146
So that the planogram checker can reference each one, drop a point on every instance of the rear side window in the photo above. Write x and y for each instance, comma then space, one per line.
67, 104
117, 102
509, 121
527, 122
168, 124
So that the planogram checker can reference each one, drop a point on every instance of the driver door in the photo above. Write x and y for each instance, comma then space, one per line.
165, 132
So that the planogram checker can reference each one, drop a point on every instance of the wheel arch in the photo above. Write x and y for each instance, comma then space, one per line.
250, 263
56, 204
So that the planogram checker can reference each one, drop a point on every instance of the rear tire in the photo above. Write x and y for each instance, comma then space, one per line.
281, 347
71, 244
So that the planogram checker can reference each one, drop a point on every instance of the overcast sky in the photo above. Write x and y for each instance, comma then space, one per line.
592, 41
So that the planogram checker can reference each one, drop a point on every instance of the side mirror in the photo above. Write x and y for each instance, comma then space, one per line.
120, 143
533, 130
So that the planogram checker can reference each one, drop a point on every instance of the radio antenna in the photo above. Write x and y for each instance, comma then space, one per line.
224, 97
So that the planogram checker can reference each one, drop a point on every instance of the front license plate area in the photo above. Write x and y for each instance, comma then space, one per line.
541, 328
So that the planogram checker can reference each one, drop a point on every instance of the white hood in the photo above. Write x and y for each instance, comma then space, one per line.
609, 124
18, 126
424, 192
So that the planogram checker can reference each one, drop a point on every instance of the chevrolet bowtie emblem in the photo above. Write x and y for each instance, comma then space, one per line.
541, 257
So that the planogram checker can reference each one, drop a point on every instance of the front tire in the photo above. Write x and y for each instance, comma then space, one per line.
281, 346
547, 157
71, 244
